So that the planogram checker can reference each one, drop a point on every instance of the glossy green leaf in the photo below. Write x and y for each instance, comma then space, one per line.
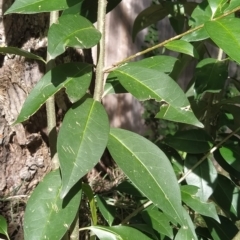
231, 154
148, 16
82, 140
75, 77
189, 197
161, 63
204, 176
201, 14
182, 47
139, 157
210, 76
93, 209
158, 221
144, 83
71, 31
225, 33
225, 230
36, 6
20, 52
47, 216
233, 4
118, 233
88, 8
214, 5
190, 141
187, 232
227, 197
3, 227
108, 211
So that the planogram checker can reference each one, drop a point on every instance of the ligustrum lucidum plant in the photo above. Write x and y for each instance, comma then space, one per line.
180, 192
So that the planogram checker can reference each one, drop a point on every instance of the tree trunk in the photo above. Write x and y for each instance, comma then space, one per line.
24, 154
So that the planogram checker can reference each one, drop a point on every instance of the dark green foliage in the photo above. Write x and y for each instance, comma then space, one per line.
190, 177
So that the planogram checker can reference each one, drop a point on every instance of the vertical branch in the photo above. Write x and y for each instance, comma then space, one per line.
98, 91
50, 105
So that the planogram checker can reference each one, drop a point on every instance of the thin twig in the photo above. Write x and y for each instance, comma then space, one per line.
212, 150
109, 69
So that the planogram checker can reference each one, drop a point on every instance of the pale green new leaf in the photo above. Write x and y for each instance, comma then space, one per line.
75, 77
225, 33
182, 47
148, 169
36, 6
47, 216
20, 52
81, 141
118, 233
189, 197
3, 227
204, 176
144, 83
71, 31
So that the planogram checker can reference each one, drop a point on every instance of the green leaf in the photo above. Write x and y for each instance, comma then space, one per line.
148, 16
188, 230
227, 197
215, 5
3, 227
163, 64
81, 142
232, 5
201, 14
47, 216
226, 230
225, 33
189, 197
210, 75
204, 176
144, 84
89, 193
108, 211
88, 8
75, 77
190, 141
158, 221
71, 31
182, 47
129, 188
145, 228
231, 154
113, 86
20, 52
37, 6
139, 157
118, 233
